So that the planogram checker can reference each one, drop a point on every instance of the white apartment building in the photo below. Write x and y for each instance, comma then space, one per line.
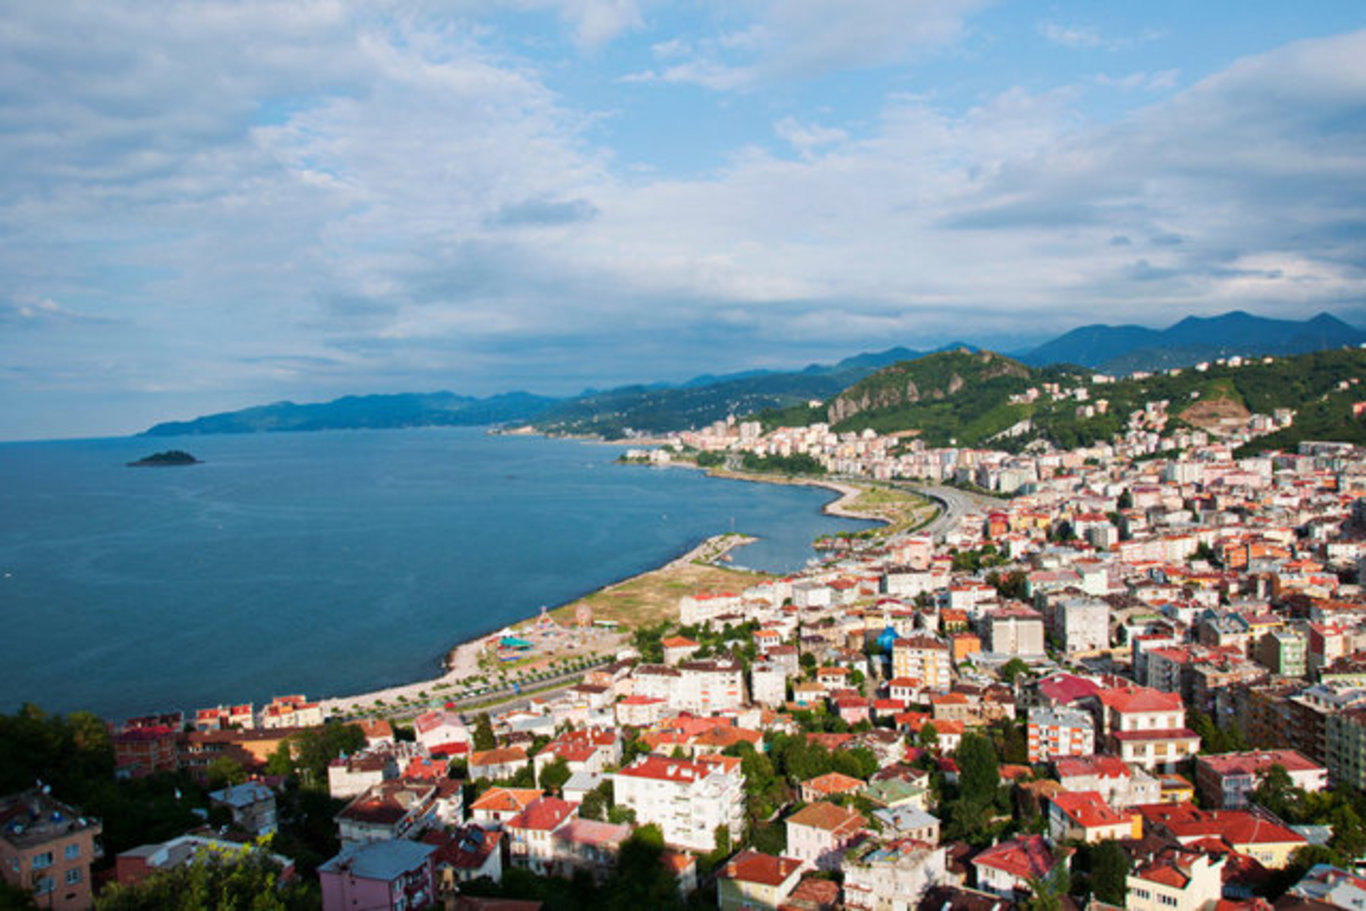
1055, 733
893, 876
686, 799
923, 658
707, 687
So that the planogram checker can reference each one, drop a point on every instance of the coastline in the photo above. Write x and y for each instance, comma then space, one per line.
462, 661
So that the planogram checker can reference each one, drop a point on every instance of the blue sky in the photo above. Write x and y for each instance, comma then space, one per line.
211, 205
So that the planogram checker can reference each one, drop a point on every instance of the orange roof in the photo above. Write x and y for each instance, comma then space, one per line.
1130, 699
504, 800
834, 783
828, 817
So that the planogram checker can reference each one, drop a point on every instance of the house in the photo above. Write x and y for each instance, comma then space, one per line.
1227, 780
252, 805
1006, 868
819, 833
530, 833
1119, 784
1255, 834
830, 784
891, 875
1176, 880
145, 750
46, 848
389, 810
497, 805
687, 799
678, 649
498, 764
751, 880
708, 687
1085, 816
397, 875
291, 712
348, 776
442, 733
464, 854
586, 844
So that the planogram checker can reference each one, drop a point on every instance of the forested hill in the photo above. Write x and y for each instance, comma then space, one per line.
975, 399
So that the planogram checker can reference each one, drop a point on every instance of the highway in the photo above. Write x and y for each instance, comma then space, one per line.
953, 504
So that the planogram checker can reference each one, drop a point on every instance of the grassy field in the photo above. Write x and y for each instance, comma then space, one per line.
653, 596
900, 509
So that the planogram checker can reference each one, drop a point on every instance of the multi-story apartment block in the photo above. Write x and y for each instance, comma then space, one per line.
686, 799
1176, 880
892, 875
1016, 630
924, 658
1228, 780
1083, 624
1147, 727
818, 834
1054, 733
707, 687
46, 848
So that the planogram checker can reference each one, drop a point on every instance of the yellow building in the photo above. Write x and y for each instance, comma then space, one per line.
758, 881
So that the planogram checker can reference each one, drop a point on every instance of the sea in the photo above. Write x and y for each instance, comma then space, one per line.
329, 563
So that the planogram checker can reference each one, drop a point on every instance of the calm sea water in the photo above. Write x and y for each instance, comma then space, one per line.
327, 563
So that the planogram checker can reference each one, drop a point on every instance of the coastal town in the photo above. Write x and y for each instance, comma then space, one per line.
1127, 675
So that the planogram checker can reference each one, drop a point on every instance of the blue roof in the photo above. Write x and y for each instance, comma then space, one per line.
385, 861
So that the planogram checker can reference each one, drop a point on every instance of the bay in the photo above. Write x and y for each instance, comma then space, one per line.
328, 563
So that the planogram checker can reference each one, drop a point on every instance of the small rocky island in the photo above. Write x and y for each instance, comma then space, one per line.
165, 459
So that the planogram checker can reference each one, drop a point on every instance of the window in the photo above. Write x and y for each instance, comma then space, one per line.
43, 885
1167, 900
73, 851
73, 876
42, 861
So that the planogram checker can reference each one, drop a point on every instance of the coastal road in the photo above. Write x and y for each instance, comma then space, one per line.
953, 505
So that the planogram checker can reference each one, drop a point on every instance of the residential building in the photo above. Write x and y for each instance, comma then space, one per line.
1228, 780
1007, 867
751, 881
396, 875
892, 876
819, 833
531, 833
1016, 630
136, 864
497, 805
923, 658
1055, 733
252, 805
46, 848
1176, 880
1147, 727
687, 799
1085, 816
389, 810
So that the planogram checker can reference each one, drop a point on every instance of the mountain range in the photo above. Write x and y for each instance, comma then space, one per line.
613, 413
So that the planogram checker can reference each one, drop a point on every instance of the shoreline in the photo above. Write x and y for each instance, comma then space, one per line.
461, 661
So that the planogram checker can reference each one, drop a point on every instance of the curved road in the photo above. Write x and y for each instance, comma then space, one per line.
954, 504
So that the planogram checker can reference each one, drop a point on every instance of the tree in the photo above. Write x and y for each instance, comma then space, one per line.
225, 771
1109, 872
1046, 893
598, 801
281, 762
640, 880
929, 736
212, 880
554, 774
1277, 792
979, 772
319, 746
1012, 670
483, 733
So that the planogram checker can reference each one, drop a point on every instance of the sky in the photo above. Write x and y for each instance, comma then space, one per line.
211, 205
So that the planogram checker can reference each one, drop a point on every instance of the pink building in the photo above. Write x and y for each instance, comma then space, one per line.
379, 875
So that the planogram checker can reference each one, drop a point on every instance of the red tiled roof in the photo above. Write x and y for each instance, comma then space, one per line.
1020, 857
765, 869
543, 815
1130, 699
828, 817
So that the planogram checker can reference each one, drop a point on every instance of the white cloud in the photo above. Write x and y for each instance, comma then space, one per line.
803, 39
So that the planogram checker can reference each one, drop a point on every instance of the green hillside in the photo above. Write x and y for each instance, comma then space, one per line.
965, 398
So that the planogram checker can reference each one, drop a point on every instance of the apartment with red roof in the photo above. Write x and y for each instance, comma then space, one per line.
819, 833
1085, 816
687, 799
1176, 880
1227, 780
1147, 727
530, 841
751, 880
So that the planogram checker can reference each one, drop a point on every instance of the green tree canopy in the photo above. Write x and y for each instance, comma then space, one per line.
212, 881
